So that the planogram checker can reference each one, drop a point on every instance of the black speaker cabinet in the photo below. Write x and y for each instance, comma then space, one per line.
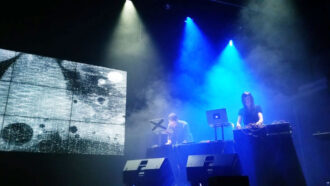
147, 172
202, 167
228, 181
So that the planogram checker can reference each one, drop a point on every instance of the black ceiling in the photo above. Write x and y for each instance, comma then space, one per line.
76, 30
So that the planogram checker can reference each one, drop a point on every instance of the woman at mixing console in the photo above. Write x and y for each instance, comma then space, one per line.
250, 114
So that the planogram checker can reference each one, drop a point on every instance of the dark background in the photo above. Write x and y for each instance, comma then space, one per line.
79, 31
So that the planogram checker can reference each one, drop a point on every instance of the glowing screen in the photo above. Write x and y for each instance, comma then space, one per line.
57, 106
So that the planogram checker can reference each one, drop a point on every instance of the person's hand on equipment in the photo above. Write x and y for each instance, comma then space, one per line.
259, 124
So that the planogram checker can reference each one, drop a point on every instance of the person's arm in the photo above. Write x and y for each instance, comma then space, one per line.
169, 140
239, 120
261, 119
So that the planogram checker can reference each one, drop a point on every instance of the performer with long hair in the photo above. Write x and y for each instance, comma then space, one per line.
250, 114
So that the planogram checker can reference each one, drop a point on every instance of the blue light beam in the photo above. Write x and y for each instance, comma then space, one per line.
195, 53
194, 50
225, 83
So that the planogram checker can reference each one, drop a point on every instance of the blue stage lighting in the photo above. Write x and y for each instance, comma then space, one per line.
194, 51
219, 86
195, 54
188, 19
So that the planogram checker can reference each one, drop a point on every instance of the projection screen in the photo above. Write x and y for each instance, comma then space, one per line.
50, 105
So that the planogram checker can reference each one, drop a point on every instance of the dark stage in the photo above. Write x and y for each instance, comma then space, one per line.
87, 86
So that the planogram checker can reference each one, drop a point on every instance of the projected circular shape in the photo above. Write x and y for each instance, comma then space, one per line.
100, 100
17, 133
51, 143
73, 129
45, 146
115, 77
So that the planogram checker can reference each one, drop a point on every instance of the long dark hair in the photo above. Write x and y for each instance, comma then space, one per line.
245, 95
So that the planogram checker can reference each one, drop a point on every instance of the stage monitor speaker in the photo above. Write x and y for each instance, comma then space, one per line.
148, 172
202, 167
228, 181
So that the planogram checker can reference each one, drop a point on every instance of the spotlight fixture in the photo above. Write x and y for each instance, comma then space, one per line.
230, 42
188, 19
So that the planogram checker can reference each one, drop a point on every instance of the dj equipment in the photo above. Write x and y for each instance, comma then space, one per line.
148, 172
267, 130
268, 155
322, 135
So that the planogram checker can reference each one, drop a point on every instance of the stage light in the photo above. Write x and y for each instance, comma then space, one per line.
130, 40
227, 80
194, 49
193, 55
188, 19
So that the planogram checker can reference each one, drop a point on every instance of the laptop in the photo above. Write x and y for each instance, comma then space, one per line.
217, 117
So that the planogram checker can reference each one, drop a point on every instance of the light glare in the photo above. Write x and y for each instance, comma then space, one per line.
188, 19
231, 43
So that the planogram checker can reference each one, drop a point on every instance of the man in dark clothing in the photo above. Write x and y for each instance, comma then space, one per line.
250, 114
178, 130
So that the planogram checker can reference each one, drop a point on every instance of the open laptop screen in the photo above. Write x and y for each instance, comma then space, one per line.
216, 117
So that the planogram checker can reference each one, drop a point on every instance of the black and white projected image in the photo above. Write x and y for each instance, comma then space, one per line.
57, 106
